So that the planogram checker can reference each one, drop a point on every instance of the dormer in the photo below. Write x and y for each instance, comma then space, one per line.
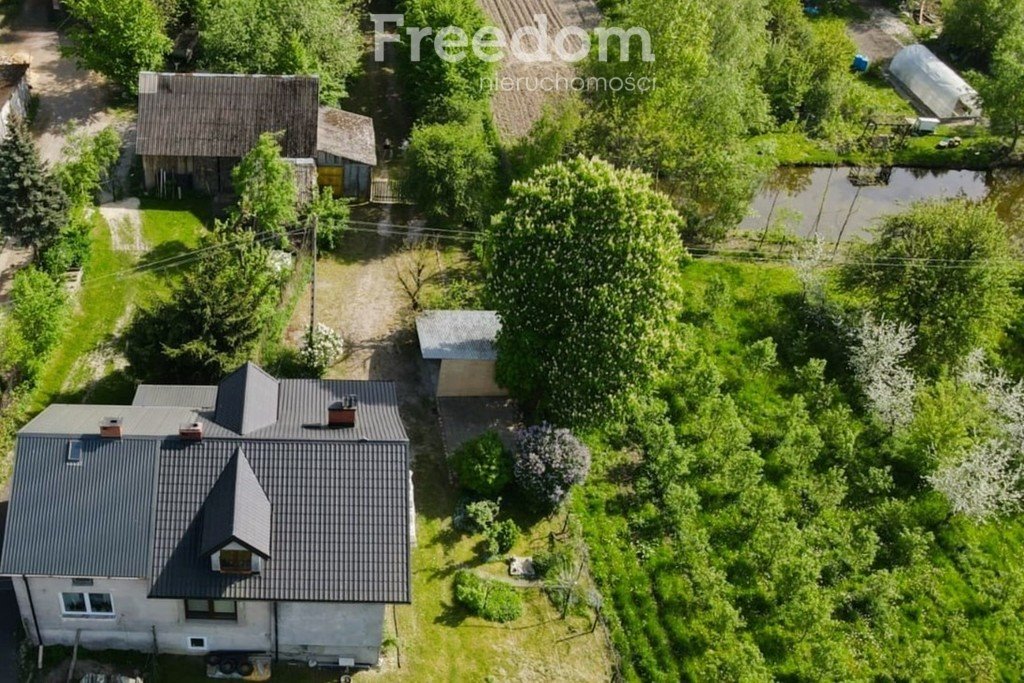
247, 400
236, 520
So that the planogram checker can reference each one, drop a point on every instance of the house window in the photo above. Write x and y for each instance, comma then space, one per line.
235, 562
196, 643
211, 609
86, 605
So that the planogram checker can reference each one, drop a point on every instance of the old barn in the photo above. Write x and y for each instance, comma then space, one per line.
194, 129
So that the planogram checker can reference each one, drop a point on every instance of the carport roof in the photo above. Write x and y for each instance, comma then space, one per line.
458, 335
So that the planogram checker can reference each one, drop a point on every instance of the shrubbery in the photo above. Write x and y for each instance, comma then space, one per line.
548, 462
501, 537
490, 600
322, 347
475, 515
483, 465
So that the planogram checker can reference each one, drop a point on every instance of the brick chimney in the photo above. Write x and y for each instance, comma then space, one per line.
343, 413
191, 431
112, 428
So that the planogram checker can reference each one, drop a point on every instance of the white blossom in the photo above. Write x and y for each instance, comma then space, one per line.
321, 348
878, 363
1003, 396
986, 483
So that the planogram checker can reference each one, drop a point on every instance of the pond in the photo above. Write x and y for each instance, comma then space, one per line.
826, 201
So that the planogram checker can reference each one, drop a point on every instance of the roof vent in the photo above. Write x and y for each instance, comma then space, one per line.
191, 431
112, 427
343, 413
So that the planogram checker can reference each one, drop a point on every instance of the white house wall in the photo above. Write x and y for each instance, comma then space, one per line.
135, 617
17, 105
305, 630
310, 630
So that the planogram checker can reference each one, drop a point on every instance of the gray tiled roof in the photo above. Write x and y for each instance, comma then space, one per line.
223, 115
170, 395
338, 500
237, 509
339, 515
347, 135
458, 335
247, 400
87, 519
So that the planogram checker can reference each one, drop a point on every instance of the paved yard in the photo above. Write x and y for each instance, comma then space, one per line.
66, 93
880, 36
463, 419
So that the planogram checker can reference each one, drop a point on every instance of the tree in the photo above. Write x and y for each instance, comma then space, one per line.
973, 28
441, 89
318, 37
878, 360
39, 307
451, 173
33, 207
942, 268
331, 215
86, 162
987, 483
483, 465
1002, 94
215, 316
265, 183
582, 268
118, 38
548, 462
688, 129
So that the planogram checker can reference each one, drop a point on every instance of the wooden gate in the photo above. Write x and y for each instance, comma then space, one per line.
386, 191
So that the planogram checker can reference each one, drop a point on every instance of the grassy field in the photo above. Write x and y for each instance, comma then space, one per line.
85, 366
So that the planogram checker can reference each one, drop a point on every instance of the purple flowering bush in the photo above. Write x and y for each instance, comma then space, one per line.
548, 461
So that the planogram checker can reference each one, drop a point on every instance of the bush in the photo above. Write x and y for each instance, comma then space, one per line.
332, 218
39, 307
451, 172
69, 250
490, 600
548, 562
483, 465
548, 462
501, 537
321, 349
475, 516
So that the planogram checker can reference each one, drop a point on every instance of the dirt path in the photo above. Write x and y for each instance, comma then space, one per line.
66, 94
880, 36
125, 221
359, 295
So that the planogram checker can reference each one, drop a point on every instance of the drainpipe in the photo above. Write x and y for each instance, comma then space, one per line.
275, 632
32, 609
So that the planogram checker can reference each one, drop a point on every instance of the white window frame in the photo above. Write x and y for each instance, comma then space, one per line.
88, 613
202, 648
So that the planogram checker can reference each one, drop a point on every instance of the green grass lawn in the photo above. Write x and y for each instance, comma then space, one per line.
83, 365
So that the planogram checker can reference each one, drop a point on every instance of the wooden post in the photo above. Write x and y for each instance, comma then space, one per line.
312, 298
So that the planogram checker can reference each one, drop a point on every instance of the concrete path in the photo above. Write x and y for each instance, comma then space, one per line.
880, 36
67, 94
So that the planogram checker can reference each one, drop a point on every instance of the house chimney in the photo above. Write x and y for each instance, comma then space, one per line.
343, 412
191, 431
111, 428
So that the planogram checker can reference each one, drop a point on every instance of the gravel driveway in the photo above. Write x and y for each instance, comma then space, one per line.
66, 94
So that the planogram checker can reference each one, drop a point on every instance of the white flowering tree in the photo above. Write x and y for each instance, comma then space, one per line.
878, 361
986, 483
322, 347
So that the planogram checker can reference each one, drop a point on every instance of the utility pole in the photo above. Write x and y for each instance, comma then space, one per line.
312, 298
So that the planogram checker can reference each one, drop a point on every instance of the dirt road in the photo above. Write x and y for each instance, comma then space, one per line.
881, 35
66, 93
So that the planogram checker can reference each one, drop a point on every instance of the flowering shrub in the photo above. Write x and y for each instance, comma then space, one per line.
548, 462
321, 348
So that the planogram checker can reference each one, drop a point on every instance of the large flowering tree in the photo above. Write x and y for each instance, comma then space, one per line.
548, 462
582, 267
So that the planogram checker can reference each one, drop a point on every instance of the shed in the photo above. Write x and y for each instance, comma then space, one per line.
932, 85
463, 342
194, 128
13, 94
346, 152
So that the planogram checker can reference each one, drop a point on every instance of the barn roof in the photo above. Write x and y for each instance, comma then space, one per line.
347, 135
223, 115
458, 335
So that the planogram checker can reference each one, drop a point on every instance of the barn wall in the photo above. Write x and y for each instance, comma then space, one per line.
17, 105
209, 175
468, 378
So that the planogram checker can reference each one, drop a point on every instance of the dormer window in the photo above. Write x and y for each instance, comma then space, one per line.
235, 561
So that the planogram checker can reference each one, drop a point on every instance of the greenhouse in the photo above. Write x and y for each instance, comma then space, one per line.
931, 83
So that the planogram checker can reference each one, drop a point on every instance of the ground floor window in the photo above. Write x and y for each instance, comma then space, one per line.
86, 605
211, 609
